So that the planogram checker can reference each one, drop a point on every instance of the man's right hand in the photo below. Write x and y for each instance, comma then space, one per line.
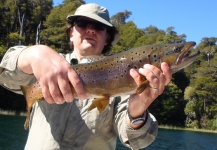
53, 72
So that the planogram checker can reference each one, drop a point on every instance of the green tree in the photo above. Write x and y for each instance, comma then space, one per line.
168, 108
120, 18
53, 33
201, 94
172, 37
21, 17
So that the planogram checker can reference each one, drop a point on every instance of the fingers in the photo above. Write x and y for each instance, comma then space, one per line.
46, 93
157, 78
152, 74
136, 76
57, 88
76, 83
65, 90
54, 73
167, 72
52, 92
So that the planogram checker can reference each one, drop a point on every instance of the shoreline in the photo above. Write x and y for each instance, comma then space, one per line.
12, 112
24, 113
187, 129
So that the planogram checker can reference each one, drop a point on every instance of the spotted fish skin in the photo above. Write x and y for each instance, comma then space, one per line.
109, 76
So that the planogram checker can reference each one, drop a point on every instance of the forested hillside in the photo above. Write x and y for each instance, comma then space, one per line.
189, 100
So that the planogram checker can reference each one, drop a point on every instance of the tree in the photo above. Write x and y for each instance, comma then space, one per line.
21, 17
168, 108
172, 37
53, 33
120, 18
201, 93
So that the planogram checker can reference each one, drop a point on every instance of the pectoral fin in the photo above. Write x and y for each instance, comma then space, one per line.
143, 85
100, 103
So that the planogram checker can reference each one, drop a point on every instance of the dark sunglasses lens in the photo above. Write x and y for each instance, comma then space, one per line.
96, 25
99, 26
82, 23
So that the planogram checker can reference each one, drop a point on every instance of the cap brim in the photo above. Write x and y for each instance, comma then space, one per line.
72, 18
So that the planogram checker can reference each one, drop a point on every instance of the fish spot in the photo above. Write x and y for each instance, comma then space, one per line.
135, 67
129, 66
140, 61
149, 56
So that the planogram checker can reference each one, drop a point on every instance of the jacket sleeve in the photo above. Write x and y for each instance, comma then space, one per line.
134, 139
11, 77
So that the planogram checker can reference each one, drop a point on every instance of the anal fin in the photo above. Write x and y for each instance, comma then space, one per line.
100, 103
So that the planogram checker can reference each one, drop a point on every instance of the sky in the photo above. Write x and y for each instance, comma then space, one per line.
194, 18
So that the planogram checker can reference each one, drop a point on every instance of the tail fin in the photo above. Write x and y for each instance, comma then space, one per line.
32, 94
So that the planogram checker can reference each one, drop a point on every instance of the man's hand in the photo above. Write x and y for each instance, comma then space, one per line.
158, 79
53, 72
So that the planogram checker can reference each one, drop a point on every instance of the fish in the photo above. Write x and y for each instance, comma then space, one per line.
108, 76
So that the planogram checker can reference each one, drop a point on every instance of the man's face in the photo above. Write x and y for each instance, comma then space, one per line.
88, 36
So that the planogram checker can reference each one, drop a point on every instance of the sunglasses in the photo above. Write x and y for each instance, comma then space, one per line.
86, 23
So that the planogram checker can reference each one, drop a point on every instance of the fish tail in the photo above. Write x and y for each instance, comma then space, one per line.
32, 94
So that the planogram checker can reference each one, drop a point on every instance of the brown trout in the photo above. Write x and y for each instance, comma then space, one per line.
108, 76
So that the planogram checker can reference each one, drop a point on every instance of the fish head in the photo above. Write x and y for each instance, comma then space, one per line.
177, 55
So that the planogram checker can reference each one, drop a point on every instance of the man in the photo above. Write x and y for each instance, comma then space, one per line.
62, 122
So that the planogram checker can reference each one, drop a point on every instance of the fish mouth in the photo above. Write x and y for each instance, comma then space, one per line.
184, 60
184, 57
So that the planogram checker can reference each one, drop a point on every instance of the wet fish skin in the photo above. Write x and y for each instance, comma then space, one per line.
109, 76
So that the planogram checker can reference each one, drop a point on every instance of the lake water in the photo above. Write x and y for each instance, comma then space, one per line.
13, 137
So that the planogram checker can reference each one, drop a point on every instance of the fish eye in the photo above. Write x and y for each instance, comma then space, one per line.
176, 49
